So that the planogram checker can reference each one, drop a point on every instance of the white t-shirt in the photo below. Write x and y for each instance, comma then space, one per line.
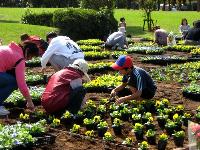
62, 45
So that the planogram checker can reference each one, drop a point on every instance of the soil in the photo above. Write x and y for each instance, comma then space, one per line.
66, 141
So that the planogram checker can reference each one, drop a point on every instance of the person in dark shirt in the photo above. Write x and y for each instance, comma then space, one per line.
139, 82
193, 36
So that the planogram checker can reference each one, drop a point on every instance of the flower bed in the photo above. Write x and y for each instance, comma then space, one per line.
86, 48
32, 79
180, 48
105, 83
192, 91
163, 60
97, 55
17, 99
146, 50
100, 67
93, 42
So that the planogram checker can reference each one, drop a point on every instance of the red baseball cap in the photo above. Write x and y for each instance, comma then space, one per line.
123, 62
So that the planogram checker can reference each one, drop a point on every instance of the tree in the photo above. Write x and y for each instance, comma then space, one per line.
164, 5
97, 4
148, 6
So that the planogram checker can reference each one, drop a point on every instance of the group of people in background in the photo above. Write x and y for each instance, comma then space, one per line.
191, 36
64, 89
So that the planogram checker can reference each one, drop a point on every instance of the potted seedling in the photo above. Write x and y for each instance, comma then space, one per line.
143, 146
55, 123
169, 111
178, 121
75, 128
146, 116
179, 138
125, 113
90, 109
89, 123
128, 141
24, 117
134, 110
113, 107
150, 106
104, 101
162, 141
165, 102
197, 117
149, 124
133, 103
67, 118
162, 119
78, 118
102, 127
37, 115
170, 126
101, 110
151, 136
37, 129
117, 126
96, 120
136, 118
186, 117
138, 130
89, 134
179, 109
141, 109
115, 114
108, 137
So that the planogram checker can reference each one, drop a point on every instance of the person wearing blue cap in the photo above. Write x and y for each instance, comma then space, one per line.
139, 82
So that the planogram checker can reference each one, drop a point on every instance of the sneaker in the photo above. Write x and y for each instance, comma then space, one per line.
3, 111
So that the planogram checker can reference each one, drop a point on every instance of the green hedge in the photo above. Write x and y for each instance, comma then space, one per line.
76, 23
44, 18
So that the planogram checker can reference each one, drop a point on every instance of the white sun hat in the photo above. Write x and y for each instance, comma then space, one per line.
81, 65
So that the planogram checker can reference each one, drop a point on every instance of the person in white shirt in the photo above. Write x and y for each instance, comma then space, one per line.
184, 27
117, 40
61, 52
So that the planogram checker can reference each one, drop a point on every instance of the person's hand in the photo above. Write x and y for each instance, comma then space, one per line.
113, 93
119, 101
30, 105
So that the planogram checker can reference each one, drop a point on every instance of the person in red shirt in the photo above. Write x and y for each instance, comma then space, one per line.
65, 89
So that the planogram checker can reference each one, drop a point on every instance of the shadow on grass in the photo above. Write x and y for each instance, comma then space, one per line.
136, 30
8, 21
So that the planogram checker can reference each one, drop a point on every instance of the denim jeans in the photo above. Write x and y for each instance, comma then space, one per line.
8, 84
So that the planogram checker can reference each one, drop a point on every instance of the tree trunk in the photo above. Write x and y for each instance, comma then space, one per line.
173, 2
169, 2
164, 3
198, 5
158, 5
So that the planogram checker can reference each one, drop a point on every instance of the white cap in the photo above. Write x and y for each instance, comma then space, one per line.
81, 65
122, 29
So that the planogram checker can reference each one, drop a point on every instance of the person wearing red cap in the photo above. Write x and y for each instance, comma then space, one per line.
139, 82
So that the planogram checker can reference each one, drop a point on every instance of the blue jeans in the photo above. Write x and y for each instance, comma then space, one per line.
8, 84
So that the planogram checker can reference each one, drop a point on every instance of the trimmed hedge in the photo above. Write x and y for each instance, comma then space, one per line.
76, 23
85, 23
44, 18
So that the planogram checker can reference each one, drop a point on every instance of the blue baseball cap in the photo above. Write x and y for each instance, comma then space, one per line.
122, 62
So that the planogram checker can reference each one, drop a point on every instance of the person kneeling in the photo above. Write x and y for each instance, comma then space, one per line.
65, 90
139, 82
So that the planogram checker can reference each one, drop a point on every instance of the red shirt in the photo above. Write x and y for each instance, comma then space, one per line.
58, 89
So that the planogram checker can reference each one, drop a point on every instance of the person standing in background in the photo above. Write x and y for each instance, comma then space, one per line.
184, 27
122, 22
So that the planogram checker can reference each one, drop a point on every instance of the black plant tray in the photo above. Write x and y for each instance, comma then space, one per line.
193, 96
46, 139
99, 89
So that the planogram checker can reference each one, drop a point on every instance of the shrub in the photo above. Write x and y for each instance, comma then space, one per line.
84, 23
44, 18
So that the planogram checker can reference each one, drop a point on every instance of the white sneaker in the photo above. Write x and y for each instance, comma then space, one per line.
3, 111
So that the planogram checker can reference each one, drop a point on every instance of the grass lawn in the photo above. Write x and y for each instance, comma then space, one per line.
11, 28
